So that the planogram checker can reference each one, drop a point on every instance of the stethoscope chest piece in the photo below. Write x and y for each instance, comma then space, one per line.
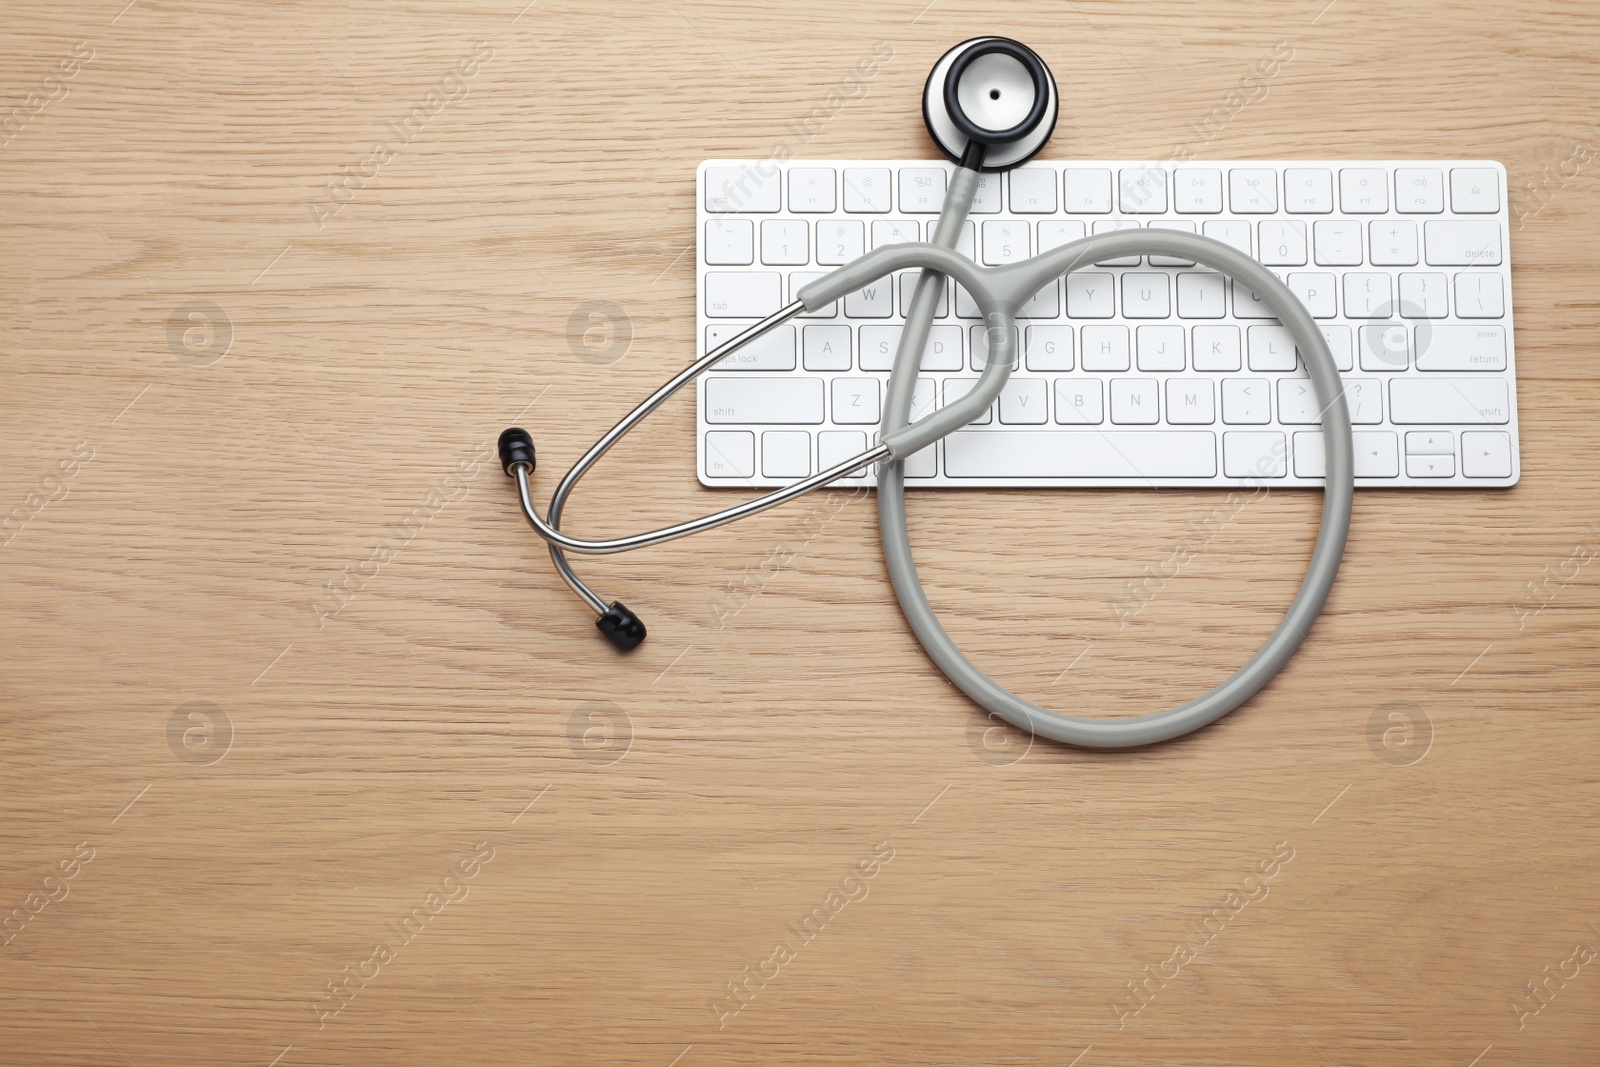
993, 91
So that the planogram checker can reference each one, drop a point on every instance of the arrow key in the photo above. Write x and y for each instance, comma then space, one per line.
1430, 443
1486, 454
1431, 466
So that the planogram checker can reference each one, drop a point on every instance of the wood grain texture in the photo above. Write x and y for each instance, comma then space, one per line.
660, 825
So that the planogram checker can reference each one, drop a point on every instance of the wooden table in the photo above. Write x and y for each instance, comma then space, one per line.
309, 758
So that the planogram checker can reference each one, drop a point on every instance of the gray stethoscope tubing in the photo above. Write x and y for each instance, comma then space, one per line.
999, 292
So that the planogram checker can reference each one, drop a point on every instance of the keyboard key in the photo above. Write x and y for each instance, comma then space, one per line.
1048, 348
742, 188
1088, 192
1244, 401
771, 400
1247, 304
1045, 304
840, 240
1474, 190
1216, 348
1430, 466
1339, 344
1423, 296
1200, 295
783, 242
1056, 234
1182, 226
1386, 347
1419, 190
1479, 296
1462, 242
986, 201
1297, 402
921, 190
1090, 296
1430, 443
1364, 399
872, 301
1485, 454
730, 454
836, 446
1160, 348
1078, 402
1112, 226
855, 400
1005, 242
1317, 292
1022, 402
978, 338
771, 351
956, 388
798, 280
1374, 451
1145, 296
1272, 349
1459, 348
811, 189
1253, 192
1230, 232
1449, 400
786, 454
1133, 400
730, 242
879, 344
1033, 190
1105, 348
1191, 402
866, 189
907, 280
894, 232
1337, 244
1363, 191
1196, 191
828, 347
1124, 454
1366, 296
744, 294
1394, 243
1142, 190
1283, 243
1254, 454
1308, 191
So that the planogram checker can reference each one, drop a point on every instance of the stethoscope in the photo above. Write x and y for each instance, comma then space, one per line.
990, 104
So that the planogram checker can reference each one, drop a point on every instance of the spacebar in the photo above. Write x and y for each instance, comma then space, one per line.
1081, 454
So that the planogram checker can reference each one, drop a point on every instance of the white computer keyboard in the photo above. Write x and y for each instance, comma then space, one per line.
1130, 373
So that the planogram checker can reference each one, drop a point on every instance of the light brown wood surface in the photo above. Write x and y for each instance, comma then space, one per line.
459, 702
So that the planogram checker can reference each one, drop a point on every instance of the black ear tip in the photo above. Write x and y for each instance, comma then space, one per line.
621, 627
516, 446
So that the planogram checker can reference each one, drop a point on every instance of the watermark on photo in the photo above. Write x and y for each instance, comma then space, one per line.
53, 889
995, 741
199, 332
54, 485
599, 331
1543, 987
52, 87
1400, 734
354, 578
354, 178
852, 889
452, 888
199, 733
600, 732
736, 595
1253, 888
1539, 192
1541, 592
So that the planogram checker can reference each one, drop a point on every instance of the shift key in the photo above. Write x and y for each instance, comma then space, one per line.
743, 294
763, 400
1424, 401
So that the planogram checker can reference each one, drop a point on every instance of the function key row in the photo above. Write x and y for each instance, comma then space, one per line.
1043, 190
